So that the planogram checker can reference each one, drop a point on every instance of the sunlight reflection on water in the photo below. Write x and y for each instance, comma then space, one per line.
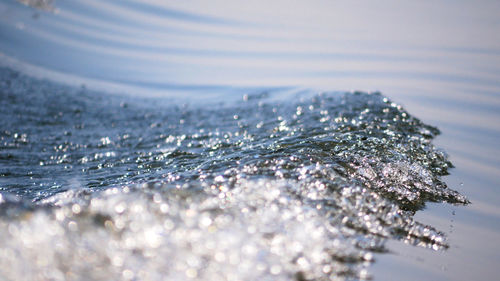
440, 59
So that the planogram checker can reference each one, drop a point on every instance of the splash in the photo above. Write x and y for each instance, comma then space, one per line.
304, 188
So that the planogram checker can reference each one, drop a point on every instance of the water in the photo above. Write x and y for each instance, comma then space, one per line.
223, 157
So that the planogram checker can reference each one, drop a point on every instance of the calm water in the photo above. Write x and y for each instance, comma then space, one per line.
221, 141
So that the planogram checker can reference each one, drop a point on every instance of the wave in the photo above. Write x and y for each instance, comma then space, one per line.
306, 186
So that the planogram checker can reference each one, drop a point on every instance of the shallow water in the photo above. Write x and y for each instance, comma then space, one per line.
219, 159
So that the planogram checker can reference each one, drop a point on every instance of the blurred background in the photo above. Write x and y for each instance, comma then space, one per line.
440, 59
341, 45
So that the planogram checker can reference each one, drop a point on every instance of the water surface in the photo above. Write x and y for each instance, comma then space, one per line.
227, 152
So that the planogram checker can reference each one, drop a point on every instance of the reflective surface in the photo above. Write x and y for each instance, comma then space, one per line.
233, 71
309, 188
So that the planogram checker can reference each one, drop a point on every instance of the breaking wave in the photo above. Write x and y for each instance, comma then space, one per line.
303, 186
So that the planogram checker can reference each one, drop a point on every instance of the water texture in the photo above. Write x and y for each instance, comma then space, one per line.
218, 161
308, 187
161, 46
